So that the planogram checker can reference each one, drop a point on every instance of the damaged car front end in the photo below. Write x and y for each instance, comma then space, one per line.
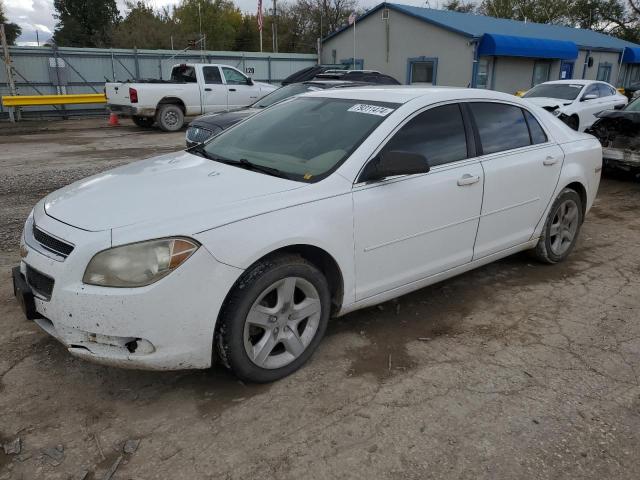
619, 133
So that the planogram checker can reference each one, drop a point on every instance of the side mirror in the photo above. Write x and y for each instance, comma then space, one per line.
394, 162
249, 81
589, 96
619, 106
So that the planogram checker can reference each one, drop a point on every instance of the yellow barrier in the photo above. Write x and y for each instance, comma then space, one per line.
36, 100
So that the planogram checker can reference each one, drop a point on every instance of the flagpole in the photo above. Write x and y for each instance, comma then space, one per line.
260, 40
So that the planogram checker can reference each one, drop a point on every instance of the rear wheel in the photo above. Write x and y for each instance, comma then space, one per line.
144, 122
274, 318
170, 117
561, 228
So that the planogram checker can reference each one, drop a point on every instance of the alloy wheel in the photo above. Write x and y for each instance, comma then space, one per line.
564, 227
282, 322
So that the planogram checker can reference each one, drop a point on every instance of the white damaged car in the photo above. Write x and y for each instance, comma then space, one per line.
243, 247
576, 102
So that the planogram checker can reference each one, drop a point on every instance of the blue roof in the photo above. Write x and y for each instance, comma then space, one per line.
631, 55
510, 46
475, 26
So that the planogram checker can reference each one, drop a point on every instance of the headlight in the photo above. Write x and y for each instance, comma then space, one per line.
138, 264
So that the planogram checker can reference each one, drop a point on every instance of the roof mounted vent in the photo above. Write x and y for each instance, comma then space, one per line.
385, 14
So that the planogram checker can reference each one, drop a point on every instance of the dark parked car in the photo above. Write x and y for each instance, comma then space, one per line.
619, 134
206, 126
310, 73
368, 76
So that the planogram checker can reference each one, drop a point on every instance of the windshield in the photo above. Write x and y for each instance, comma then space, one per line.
304, 138
284, 92
633, 106
564, 91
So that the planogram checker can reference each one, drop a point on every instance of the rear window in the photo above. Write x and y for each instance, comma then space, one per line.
183, 74
501, 127
537, 133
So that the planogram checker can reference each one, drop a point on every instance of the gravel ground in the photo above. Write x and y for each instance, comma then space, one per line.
515, 370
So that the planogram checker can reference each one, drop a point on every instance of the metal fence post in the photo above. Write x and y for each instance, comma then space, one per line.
56, 59
113, 68
135, 61
269, 69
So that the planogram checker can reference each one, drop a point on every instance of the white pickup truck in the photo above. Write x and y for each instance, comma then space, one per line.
193, 89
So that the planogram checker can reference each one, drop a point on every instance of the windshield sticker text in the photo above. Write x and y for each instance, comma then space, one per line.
371, 109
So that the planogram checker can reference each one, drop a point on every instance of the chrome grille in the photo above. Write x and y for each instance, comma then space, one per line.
52, 243
198, 134
40, 283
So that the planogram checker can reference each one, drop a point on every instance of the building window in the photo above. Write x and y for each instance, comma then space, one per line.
604, 72
334, 56
482, 75
541, 72
422, 70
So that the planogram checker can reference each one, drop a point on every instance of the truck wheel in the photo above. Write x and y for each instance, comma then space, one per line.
273, 319
170, 117
143, 122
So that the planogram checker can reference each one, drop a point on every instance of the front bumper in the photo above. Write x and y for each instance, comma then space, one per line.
168, 325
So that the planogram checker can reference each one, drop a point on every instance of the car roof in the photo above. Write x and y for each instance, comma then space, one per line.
572, 82
403, 94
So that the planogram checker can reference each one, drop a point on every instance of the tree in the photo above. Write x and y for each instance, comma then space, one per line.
11, 30
459, 6
142, 27
220, 20
85, 23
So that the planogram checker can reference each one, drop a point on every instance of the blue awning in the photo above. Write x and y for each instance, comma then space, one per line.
631, 55
510, 46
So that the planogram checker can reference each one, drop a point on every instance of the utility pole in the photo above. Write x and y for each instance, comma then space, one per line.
274, 28
9, 67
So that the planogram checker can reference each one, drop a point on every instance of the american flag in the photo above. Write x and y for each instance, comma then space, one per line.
260, 17
352, 18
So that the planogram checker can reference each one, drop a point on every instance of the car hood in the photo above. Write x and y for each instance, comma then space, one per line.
160, 188
225, 119
548, 102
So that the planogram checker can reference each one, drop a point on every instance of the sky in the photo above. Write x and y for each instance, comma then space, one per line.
34, 15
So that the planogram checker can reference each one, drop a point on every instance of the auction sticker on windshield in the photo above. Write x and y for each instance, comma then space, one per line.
371, 109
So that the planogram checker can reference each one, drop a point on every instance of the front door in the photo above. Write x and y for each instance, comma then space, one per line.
422, 71
411, 227
241, 92
214, 94
521, 169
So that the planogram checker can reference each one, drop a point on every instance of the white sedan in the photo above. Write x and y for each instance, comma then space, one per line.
576, 102
242, 248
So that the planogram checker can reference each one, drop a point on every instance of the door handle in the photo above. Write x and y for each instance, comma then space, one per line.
467, 179
232, 89
550, 161
207, 89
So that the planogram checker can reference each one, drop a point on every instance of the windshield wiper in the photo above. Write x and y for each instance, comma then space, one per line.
242, 163
246, 164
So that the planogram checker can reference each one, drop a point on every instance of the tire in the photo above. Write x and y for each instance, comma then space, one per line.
143, 122
170, 117
565, 217
573, 122
260, 336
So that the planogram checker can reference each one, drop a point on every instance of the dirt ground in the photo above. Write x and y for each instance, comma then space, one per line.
516, 370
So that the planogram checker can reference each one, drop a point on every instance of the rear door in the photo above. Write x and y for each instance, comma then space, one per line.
411, 227
214, 91
521, 171
241, 93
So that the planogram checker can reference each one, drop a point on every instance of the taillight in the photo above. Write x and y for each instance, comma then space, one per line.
133, 95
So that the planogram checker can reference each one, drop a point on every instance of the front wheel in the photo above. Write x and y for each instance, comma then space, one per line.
560, 231
274, 319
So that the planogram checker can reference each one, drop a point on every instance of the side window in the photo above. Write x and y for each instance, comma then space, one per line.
592, 90
233, 77
212, 75
536, 131
501, 127
605, 90
437, 133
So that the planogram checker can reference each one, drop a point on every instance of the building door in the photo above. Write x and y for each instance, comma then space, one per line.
566, 71
422, 71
